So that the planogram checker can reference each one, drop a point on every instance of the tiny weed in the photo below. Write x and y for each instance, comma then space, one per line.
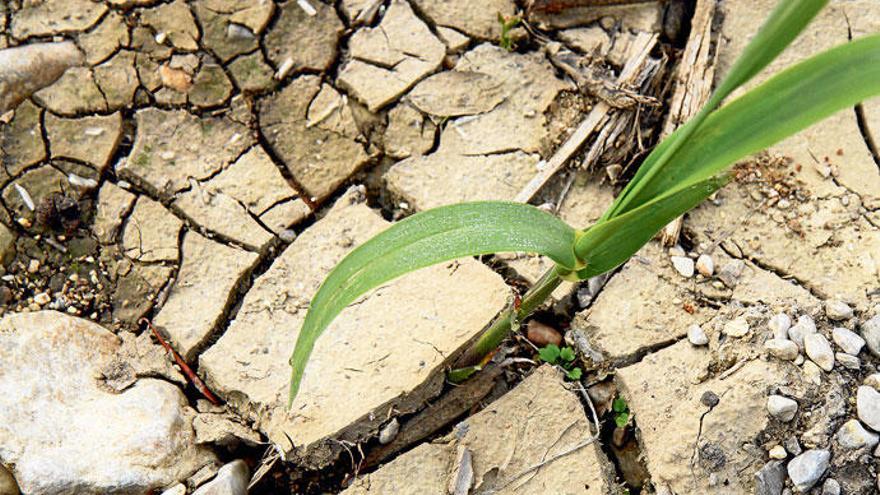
621, 412
564, 357
507, 25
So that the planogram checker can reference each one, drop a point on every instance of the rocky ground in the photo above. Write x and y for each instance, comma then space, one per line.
213, 159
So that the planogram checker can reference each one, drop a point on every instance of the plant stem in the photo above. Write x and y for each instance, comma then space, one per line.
508, 319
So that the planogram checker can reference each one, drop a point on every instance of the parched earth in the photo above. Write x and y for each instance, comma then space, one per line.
213, 159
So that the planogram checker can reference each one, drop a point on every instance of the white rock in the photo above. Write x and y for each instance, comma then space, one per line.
847, 340
871, 333
852, 435
697, 336
63, 433
231, 479
838, 310
848, 361
831, 487
705, 265
868, 407
806, 469
178, 489
683, 265
819, 350
738, 327
779, 325
812, 372
782, 408
389, 431
873, 381
778, 452
804, 326
783, 349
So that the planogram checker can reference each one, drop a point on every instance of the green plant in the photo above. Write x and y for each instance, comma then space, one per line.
680, 172
621, 412
564, 357
507, 25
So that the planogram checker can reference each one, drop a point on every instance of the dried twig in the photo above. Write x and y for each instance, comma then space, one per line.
190, 374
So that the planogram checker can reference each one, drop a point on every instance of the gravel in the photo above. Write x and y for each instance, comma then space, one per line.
871, 334
819, 350
852, 435
838, 310
782, 408
683, 265
783, 349
868, 406
806, 469
847, 340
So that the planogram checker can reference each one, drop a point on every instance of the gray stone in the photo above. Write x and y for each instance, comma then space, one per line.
231, 479
389, 59
806, 469
852, 435
729, 273
871, 333
847, 340
819, 350
697, 336
838, 310
60, 442
770, 479
831, 487
782, 408
868, 406
792, 446
683, 265
783, 349
848, 361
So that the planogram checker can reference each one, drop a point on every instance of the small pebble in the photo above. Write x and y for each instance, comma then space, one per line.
852, 435
677, 251
697, 336
838, 310
819, 350
812, 372
738, 327
848, 361
705, 265
868, 406
831, 487
709, 399
799, 360
42, 299
804, 326
871, 333
542, 335
778, 452
785, 350
792, 446
873, 381
806, 469
389, 431
847, 340
781, 408
33, 266
683, 265
779, 325
730, 272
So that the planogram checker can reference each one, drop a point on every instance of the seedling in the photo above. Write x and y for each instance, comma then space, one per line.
508, 23
564, 357
682, 171
621, 412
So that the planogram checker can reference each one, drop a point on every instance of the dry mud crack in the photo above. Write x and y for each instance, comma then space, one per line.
213, 159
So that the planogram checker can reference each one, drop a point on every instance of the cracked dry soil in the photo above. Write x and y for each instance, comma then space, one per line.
213, 159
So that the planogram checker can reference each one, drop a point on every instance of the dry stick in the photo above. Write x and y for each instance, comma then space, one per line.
642, 46
190, 374
696, 71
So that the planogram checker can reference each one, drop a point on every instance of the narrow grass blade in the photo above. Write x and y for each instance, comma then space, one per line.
425, 239
783, 25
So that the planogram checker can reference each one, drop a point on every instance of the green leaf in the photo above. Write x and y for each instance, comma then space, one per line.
783, 25
567, 354
549, 353
425, 239
618, 405
607, 244
621, 419
574, 374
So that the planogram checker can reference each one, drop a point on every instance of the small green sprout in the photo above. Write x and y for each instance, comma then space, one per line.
564, 357
508, 23
621, 412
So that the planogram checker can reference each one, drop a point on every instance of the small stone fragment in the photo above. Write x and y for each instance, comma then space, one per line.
730, 272
770, 479
838, 310
852, 435
873, 381
231, 479
782, 408
389, 431
779, 325
819, 350
806, 469
738, 327
778, 452
812, 372
697, 336
542, 335
848, 361
831, 487
847, 340
705, 265
871, 333
709, 399
783, 349
683, 265
804, 326
868, 406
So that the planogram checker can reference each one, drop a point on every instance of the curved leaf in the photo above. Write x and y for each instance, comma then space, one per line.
783, 25
425, 239
608, 244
